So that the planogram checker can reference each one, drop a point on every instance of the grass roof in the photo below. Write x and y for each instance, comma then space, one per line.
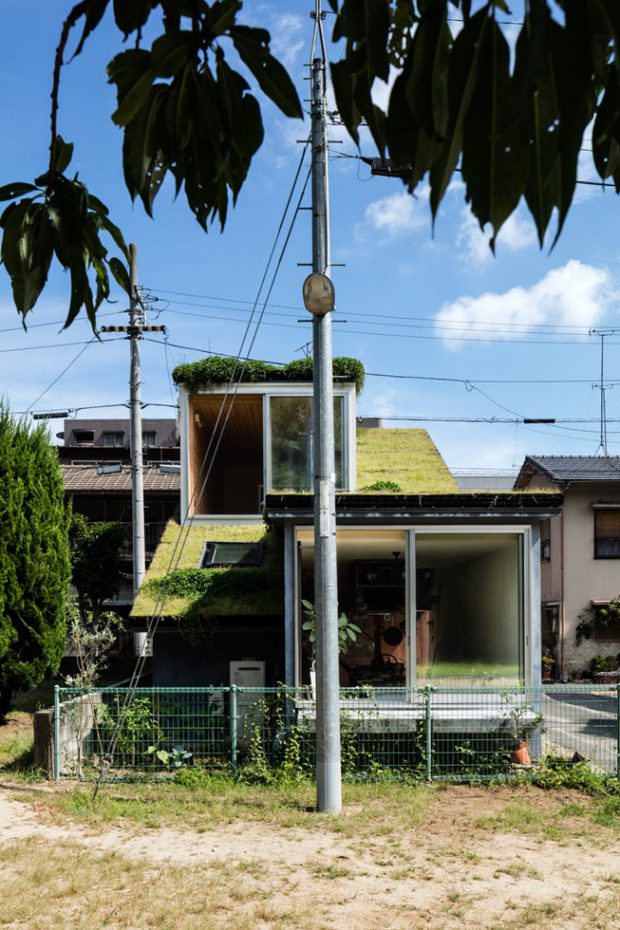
407, 458
193, 592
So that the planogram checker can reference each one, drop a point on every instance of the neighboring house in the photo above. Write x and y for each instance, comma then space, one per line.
95, 459
482, 482
444, 585
580, 553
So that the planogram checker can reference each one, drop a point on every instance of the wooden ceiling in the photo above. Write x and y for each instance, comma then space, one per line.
244, 429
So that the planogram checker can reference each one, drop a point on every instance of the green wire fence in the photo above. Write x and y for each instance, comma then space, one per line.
454, 734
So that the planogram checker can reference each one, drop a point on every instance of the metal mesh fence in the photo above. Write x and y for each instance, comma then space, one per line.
432, 733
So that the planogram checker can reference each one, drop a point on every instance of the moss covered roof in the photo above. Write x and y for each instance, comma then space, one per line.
193, 592
405, 457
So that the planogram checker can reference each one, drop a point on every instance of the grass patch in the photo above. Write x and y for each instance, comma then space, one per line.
369, 810
44, 885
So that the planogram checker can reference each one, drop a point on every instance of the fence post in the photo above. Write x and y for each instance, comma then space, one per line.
233, 728
618, 730
429, 734
56, 732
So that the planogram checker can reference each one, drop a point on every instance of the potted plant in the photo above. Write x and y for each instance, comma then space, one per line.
347, 634
547, 662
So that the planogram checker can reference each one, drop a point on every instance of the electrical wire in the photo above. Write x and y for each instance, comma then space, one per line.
547, 328
63, 372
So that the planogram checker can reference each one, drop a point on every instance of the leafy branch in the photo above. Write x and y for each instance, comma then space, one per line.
182, 109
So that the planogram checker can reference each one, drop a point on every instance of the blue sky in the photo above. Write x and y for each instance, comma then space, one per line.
415, 304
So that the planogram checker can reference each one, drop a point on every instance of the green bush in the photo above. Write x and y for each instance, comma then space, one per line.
553, 772
219, 370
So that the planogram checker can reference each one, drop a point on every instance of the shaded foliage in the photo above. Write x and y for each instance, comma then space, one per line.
96, 562
34, 558
182, 108
456, 102
513, 129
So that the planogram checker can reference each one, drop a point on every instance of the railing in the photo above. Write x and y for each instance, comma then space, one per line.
432, 733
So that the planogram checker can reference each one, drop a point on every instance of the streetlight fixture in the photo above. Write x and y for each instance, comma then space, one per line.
318, 294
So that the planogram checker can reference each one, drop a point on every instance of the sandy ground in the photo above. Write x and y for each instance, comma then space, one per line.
432, 876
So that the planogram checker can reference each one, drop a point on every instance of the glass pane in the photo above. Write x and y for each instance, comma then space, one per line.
232, 554
292, 443
468, 608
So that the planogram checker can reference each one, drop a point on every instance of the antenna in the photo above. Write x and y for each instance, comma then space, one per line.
603, 388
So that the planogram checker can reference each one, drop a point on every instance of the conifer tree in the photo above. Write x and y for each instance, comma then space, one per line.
34, 558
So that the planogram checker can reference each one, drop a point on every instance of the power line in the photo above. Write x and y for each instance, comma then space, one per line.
54, 345
21, 329
573, 327
430, 322
63, 372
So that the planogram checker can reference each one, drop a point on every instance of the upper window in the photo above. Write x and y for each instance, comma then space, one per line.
115, 439
239, 554
607, 534
149, 439
83, 435
292, 442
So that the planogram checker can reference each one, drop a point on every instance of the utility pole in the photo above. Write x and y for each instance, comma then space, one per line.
328, 773
137, 326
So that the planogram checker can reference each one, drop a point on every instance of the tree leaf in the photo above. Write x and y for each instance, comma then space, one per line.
462, 78
131, 15
132, 73
17, 189
121, 275
92, 18
63, 154
272, 77
171, 53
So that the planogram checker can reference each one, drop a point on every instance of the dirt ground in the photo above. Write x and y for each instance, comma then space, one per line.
493, 859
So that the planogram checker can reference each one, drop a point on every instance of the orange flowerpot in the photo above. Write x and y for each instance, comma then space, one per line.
520, 755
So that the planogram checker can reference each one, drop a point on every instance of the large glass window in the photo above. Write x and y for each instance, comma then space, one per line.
292, 443
469, 608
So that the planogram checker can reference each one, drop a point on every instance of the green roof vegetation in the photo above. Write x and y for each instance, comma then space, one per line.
199, 593
218, 370
405, 458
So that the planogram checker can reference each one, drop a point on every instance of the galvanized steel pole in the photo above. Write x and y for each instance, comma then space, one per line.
135, 412
328, 776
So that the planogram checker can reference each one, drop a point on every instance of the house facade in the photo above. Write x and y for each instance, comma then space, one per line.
443, 585
95, 460
580, 556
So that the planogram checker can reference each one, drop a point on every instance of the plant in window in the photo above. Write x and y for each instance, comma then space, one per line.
347, 630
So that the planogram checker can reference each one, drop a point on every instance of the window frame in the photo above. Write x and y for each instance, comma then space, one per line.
105, 434
214, 543
605, 509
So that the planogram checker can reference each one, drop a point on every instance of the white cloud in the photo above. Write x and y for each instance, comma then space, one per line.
288, 38
573, 295
395, 215
517, 233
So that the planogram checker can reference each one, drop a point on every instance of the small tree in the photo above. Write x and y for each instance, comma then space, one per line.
34, 558
96, 563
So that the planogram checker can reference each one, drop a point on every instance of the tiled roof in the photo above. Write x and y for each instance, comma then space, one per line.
575, 467
84, 479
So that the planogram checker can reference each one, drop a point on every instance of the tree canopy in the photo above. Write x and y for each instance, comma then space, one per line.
96, 562
34, 558
511, 120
